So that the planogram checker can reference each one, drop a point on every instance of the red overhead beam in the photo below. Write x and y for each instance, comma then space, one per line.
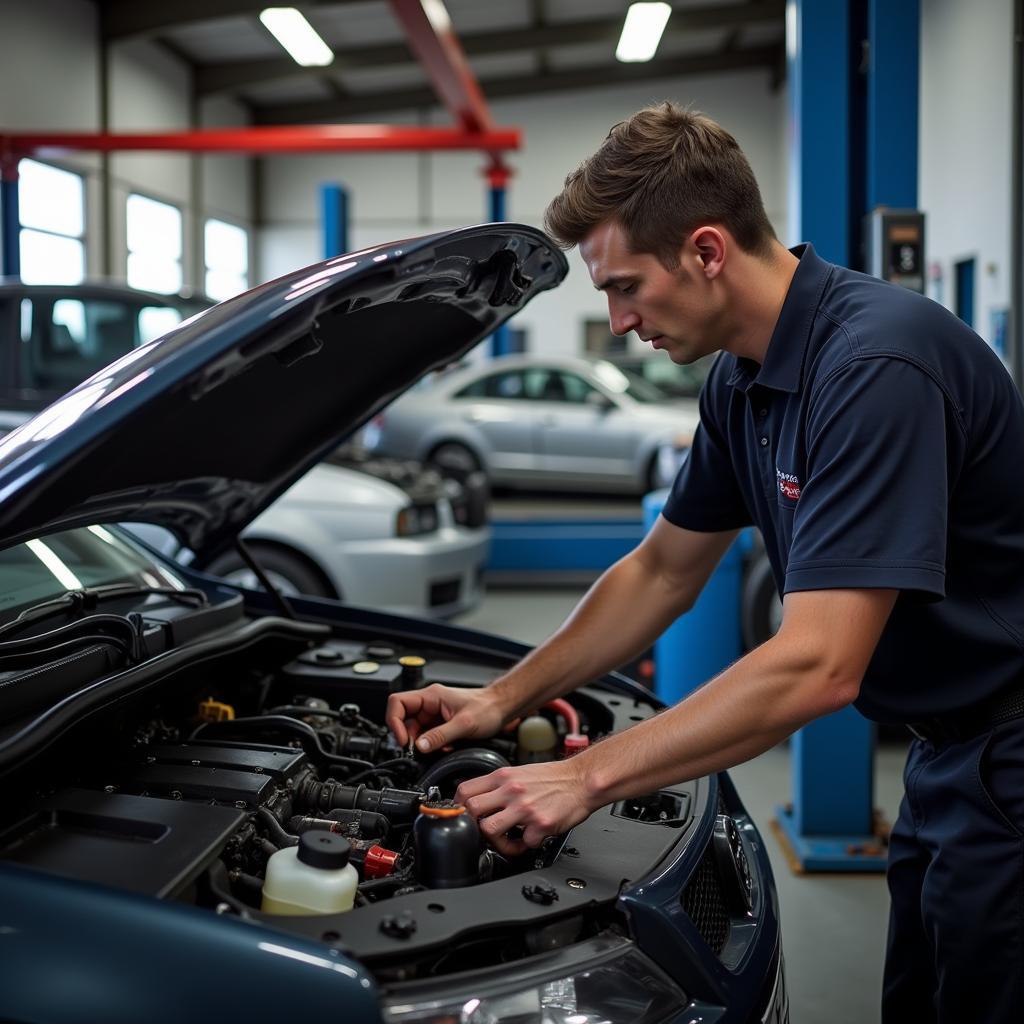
365, 138
431, 38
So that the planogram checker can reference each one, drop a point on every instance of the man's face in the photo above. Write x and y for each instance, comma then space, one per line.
673, 310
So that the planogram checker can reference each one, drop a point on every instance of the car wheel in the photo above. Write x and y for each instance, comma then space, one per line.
287, 571
761, 606
454, 460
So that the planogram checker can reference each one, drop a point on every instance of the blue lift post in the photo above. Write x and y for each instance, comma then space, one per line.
830, 825
10, 228
334, 214
497, 175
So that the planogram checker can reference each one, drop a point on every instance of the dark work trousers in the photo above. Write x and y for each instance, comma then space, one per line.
956, 878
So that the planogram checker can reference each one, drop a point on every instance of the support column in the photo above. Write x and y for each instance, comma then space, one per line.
10, 228
334, 214
894, 28
829, 825
818, 69
498, 175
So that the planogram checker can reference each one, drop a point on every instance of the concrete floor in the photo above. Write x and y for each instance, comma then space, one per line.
834, 926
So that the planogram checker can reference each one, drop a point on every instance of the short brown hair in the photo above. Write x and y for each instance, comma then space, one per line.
660, 174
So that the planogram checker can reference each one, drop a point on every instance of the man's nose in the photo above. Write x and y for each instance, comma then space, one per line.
622, 320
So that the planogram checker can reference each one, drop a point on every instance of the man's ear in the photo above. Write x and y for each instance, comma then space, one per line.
709, 244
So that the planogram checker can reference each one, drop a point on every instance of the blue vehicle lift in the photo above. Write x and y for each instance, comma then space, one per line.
853, 115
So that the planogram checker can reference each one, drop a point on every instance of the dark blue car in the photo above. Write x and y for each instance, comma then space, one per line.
164, 736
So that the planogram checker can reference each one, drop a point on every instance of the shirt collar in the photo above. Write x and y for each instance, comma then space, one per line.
783, 364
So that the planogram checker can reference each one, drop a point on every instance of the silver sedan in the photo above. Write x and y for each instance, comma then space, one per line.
559, 423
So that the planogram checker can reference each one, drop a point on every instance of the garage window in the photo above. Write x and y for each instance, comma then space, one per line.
51, 205
227, 259
154, 245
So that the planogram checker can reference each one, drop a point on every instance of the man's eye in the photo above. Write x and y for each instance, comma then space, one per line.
628, 289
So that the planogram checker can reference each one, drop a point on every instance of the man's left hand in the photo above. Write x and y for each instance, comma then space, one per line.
544, 799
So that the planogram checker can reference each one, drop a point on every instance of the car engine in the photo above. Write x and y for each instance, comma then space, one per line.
230, 764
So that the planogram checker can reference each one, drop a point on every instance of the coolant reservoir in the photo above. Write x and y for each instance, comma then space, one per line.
447, 845
536, 739
314, 877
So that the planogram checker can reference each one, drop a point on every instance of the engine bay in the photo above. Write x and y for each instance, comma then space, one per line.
188, 793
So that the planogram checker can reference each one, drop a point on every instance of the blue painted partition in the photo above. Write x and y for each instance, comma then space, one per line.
537, 548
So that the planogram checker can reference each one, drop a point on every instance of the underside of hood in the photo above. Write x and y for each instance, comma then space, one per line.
202, 429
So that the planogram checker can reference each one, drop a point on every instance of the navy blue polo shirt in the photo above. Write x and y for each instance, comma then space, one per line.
879, 445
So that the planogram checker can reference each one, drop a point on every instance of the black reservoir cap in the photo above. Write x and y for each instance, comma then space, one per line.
323, 850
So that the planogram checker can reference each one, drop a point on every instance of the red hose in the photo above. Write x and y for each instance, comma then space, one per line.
568, 712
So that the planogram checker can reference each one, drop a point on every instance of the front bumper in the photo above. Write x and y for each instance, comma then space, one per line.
437, 575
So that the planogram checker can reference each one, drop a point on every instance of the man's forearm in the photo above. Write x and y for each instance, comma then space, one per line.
747, 709
620, 617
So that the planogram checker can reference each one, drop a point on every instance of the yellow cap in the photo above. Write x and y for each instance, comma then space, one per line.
211, 710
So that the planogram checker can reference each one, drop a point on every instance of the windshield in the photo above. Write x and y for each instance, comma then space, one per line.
641, 390
625, 382
671, 379
92, 556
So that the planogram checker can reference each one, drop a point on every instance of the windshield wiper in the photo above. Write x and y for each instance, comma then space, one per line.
126, 632
84, 601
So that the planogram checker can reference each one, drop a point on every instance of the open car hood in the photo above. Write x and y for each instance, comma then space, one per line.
202, 429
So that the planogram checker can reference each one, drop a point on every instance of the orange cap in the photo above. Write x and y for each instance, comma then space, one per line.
447, 809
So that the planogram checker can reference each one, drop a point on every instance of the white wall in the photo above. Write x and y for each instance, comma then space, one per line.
50, 80
394, 196
49, 66
964, 183
965, 136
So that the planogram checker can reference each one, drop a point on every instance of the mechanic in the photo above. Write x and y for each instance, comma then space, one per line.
876, 441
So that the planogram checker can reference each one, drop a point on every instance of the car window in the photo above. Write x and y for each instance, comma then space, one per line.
543, 385
65, 340
576, 388
92, 556
496, 385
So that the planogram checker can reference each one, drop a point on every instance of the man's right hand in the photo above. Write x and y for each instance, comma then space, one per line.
439, 715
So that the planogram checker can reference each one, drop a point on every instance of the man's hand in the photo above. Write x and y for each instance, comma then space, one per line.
441, 714
543, 799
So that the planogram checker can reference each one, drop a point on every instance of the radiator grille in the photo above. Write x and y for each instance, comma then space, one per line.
704, 903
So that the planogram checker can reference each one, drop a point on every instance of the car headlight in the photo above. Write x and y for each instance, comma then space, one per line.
620, 987
414, 520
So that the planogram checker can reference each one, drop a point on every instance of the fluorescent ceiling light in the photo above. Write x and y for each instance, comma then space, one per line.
297, 36
437, 15
65, 577
641, 32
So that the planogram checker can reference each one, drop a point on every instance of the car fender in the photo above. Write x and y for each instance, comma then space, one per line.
120, 956
459, 432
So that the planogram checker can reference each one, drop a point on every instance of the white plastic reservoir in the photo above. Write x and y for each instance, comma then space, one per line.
314, 877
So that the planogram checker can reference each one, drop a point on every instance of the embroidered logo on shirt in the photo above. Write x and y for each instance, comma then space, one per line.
788, 484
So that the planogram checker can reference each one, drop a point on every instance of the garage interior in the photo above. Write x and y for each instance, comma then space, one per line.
161, 120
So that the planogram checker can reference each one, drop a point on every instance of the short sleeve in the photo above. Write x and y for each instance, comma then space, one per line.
872, 512
705, 495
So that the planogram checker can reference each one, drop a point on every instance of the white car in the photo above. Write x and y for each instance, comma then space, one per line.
342, 533
345, 534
